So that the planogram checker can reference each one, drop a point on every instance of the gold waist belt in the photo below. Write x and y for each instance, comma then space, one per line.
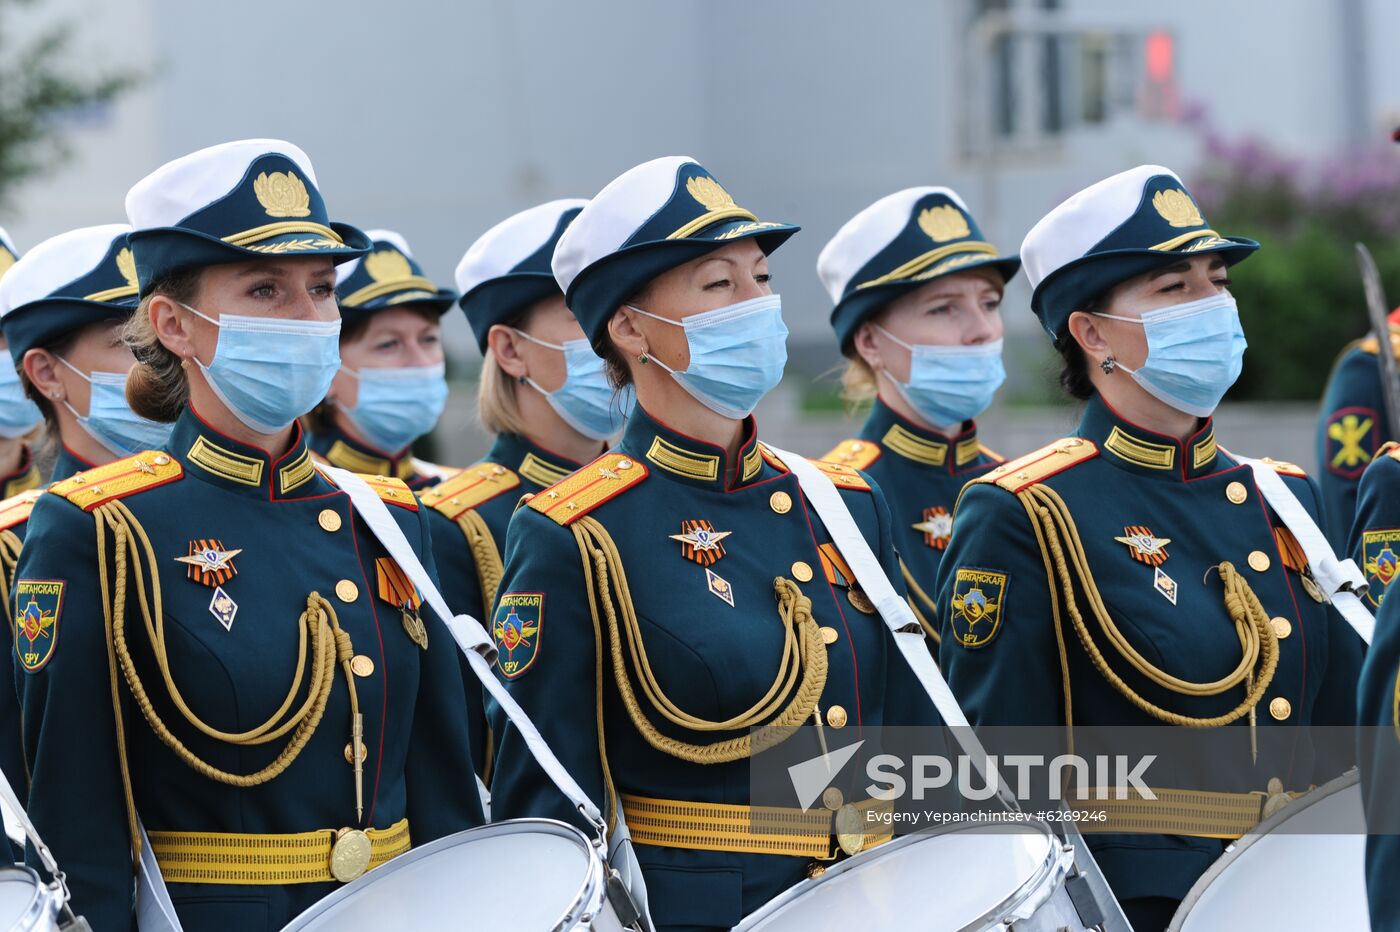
675, 823
306, 857
1182, 812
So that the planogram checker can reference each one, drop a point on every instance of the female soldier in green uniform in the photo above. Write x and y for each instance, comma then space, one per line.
542, 393
1132, 574
918, 316
678, 591
62, 308
392, 383
18, 415
209, 639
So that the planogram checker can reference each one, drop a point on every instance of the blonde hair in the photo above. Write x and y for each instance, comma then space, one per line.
495, 399
858, 383
156, 387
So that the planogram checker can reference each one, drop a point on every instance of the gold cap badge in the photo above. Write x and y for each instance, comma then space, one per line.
1177, 208
708, 192
944, 223
7, 259
282, 194
388, 265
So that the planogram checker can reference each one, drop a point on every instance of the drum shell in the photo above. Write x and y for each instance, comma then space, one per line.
442, 881
27, 904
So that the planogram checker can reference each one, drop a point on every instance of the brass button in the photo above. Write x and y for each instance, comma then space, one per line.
162, 460
1258, 561
802, 572
1282, 627
781, 502
1280, 708
836, 717
346, 591
624, 465
350, 750
329, 520
1236, 493
833, 798
829, 635
361, 665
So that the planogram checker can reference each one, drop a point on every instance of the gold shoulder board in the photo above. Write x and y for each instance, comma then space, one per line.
1390, 448
579, 493
843, 477
1372, 345
15, 509
125, 477
469, 488
1026, 471
1285, 469
857, 454
394, 491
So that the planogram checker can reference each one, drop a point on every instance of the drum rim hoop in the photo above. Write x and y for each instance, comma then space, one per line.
590, 896
1232, 853
46, 902
1013, 901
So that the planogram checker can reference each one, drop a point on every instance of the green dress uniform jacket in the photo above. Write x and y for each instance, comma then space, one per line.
648, 581
240, 557
1378, 508
1147, 524
921, 473
468, 514
1350, 431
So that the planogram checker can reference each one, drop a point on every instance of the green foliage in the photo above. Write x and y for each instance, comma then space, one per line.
1300, 295
38, 84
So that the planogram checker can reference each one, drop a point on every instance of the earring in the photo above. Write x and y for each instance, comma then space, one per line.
644, 359
56, 395
1108, 365
522, 380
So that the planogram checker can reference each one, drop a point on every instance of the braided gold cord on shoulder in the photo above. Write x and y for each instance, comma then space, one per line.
801, 673
917, 598
485, 555
328, 645
10, 545
1259, 644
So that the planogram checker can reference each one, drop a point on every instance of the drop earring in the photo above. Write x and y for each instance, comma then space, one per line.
644, 359
1108, 365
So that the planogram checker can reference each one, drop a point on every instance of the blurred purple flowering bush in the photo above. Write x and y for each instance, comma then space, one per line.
1300, 295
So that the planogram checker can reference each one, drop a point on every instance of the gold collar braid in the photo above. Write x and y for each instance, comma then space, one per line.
135, 557
801, 671
1062, 549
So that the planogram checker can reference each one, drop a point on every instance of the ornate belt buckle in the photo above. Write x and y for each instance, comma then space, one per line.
349, 854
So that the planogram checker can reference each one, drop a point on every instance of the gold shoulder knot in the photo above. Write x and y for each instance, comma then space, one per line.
125, 477
1025, 471
394, 491
1390, 448
15, 509
843, 477
857, 454
469, 488
580, 492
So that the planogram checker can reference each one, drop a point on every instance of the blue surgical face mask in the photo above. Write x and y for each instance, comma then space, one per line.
110, 420
1195, 351
397, 406
737, 354
950, 384
269, 371
18, 415
585, 401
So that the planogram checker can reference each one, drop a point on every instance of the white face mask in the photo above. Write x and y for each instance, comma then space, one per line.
110, 421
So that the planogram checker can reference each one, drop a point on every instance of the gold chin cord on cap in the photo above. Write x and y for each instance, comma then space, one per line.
319, 628
1063, 550
789, 702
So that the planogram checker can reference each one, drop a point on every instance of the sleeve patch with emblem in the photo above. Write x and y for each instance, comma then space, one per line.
1380, 561
516, 631
978, 596
38, 603
1352, 438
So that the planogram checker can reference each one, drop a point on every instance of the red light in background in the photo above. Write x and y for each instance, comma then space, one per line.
1159, 52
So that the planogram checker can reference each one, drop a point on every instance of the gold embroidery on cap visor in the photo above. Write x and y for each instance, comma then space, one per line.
914, 266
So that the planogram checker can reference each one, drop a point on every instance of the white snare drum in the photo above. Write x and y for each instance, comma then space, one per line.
27, 904
1305, 868
464, 881
957, 880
